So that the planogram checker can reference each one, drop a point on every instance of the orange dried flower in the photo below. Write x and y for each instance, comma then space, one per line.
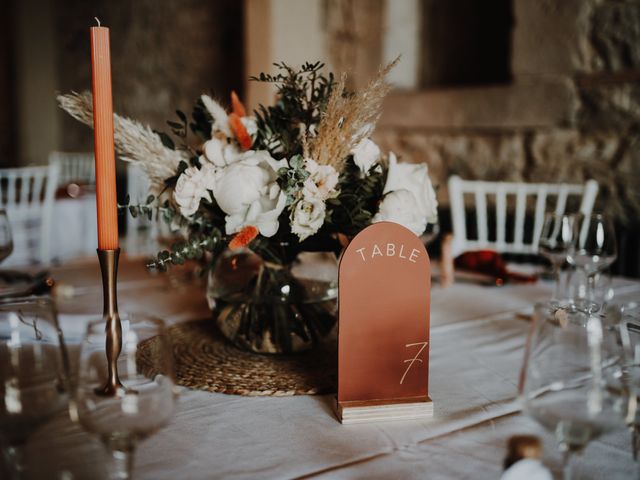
237, 106
240, 131
243, 238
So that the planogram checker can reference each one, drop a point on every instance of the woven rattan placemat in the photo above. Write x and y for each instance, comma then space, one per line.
205, 360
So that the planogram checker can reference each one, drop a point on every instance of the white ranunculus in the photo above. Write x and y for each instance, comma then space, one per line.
322, 181
415, 179
193, 185
400, 206
365, 154
307, 217
248, 193
221, 152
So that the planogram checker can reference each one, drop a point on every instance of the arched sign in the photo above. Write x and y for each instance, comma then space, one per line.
383, 336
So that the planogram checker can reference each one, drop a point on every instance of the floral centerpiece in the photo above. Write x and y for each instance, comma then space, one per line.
253, 195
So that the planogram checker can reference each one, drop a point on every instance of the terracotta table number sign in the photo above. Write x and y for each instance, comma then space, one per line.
383, 339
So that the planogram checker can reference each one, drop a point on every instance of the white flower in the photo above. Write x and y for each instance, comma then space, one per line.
415, 179
365, 154
220, 152
307, 217
322, 181
248, 193
400, 206
193, 185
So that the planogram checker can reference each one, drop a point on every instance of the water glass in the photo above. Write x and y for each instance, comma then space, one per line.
572, 379
33, 374
592, 251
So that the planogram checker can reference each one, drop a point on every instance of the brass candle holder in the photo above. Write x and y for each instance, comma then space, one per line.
109, 269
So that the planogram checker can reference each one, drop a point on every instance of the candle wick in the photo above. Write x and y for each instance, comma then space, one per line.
98, 20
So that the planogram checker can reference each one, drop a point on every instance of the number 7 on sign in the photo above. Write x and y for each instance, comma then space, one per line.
411, 361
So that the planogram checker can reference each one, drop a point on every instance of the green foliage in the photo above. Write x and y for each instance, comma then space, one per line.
140, 210
199, 126
165, 139
355, 206
302, 98
191, 249
171, 181
179, 129
291, 179
202, 121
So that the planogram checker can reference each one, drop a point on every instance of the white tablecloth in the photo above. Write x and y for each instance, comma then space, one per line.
477, 348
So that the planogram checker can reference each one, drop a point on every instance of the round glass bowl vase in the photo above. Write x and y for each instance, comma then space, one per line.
270, 306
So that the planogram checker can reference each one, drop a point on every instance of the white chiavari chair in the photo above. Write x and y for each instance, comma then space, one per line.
543, 196
77, 167
27, 194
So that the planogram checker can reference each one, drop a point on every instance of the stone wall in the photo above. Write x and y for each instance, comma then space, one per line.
592, 48
165, 53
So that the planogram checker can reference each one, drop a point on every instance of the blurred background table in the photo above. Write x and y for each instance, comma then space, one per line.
478, 335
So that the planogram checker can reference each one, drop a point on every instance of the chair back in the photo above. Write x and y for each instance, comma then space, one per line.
142, 233
74, 167
510, 240
27, 194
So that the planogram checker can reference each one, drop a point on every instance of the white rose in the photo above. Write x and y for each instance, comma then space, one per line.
248, 193
308, 216
365, 154
414, 178
193, 185
322, 181
400, 206
220, 152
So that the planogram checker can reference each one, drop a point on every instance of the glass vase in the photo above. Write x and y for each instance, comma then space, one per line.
266, 305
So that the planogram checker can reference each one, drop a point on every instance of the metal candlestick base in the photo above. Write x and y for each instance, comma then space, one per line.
109, 268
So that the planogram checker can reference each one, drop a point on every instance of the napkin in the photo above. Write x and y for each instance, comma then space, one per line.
489, 262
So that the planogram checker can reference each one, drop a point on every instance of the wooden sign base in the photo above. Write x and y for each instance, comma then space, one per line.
377, 411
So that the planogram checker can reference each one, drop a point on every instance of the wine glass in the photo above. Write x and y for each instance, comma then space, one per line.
572, 378
627, 316
147, 399
593, 250
33, 373
555, 240
6, 239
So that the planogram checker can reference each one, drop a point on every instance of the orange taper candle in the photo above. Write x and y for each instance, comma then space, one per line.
106, 201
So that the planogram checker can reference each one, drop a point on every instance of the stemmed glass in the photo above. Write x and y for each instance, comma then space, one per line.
6, 239
593, 250
147, 400
556, 238
572, 381
627, 316
33, 373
